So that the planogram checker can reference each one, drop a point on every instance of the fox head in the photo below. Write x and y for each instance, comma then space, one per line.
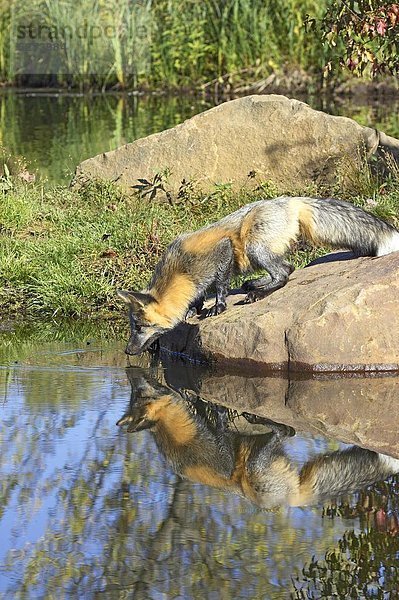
138, 418
147, 323
149, 402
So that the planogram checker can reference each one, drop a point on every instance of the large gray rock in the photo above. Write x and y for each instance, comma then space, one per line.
335, 316
280, 139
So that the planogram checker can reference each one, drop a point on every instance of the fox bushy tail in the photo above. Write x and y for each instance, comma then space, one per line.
343, 225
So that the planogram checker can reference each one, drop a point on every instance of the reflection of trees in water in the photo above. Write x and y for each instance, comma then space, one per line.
363, 564
109, 516
123, 522
66, 129
120, 520
382, 498
175, 549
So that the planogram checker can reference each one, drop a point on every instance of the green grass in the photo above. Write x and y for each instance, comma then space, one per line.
159, 43
64, 253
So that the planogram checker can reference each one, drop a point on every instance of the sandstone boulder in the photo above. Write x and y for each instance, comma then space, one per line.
282, 140
334, 316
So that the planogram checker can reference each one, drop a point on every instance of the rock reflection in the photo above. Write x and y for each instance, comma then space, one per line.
242, 453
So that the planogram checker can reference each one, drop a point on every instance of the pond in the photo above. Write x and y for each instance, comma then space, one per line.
131, 481
55, 132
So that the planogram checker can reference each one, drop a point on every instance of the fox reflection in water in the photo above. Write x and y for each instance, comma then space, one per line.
202, 444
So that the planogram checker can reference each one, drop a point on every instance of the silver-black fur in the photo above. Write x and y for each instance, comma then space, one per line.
255, 237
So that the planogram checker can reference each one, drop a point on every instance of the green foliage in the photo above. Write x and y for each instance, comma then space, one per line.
6, 182
363, 35
64, 253
152, 188
158, 43
372, 183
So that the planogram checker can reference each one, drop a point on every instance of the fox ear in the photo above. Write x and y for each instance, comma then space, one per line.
137, 300
127, 297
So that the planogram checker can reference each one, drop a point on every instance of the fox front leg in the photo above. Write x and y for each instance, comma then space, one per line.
279, 429
222, 289
253, 284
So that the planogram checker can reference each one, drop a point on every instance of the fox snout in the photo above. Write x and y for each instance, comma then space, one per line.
139, 342
133, 348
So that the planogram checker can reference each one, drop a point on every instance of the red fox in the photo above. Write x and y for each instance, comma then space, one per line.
203, 445
257, 236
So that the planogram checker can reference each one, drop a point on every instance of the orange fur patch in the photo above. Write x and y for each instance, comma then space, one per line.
238, 481
306, 223
246, 225
207, 476
157, 406
282, 467
172, 304
241, 461
241, 240
240, 474
173, 419
203, 241
306, 490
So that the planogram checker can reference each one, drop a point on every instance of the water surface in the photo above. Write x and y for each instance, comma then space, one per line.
89, 507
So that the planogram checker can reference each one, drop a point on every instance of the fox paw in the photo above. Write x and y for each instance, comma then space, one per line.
250, 298
217, 309
254, 296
